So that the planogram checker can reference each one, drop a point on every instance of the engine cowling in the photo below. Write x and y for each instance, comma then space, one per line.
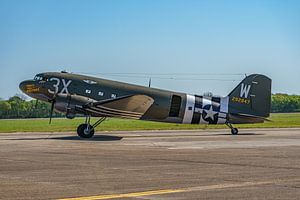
67, 103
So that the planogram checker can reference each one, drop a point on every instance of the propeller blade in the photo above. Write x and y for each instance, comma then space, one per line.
36, 104
51, 111
149, 82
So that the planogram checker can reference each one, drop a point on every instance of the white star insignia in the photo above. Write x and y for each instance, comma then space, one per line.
210, 113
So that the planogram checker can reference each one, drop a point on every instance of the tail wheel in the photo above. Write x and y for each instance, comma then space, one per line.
85, 131
234, 131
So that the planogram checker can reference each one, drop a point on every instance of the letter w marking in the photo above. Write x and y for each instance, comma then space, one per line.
245, 90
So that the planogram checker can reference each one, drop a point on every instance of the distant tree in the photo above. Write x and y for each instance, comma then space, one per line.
4, 108
285, 103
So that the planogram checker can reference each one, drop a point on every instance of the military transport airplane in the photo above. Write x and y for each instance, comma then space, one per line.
75, 94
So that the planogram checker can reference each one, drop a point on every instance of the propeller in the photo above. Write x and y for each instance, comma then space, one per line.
52, 101
36, 104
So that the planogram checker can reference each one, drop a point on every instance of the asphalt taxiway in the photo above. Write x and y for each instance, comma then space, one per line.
156, 165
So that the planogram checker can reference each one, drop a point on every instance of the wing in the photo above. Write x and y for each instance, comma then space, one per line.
131, 107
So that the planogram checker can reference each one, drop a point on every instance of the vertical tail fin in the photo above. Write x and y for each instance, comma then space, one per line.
252, 96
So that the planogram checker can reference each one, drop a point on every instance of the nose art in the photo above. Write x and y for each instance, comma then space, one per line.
28, 87
23, 85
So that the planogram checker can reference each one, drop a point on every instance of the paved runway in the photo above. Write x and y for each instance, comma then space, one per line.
154, 165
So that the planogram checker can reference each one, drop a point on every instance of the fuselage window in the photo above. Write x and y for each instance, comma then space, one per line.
113, 96
101, 94
88, 91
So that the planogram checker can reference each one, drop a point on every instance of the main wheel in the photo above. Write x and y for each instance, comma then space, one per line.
84, 131
234, 131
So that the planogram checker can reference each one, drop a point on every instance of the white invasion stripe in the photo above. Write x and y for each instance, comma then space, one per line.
224, 104
198, 110
222, 115
206, 101
221, 120
188, 114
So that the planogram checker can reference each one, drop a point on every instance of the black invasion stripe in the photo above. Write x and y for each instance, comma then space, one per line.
198, 101
196, 118
215, 101
214, 122
198, 105
119, 111
110, 115
116, 112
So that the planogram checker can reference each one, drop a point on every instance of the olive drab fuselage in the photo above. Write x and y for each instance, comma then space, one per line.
168, 106
75, 94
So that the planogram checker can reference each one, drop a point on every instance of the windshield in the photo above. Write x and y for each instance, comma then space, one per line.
40, 77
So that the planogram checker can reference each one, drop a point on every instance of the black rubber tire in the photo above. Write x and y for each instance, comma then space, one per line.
82, 133
234, 131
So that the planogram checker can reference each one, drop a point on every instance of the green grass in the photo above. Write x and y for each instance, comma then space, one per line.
280, 120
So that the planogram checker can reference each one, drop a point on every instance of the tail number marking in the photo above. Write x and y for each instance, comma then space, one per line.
240, 100
245, 90
57, 84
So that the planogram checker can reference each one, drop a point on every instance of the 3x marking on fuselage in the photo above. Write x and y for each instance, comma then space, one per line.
56, 86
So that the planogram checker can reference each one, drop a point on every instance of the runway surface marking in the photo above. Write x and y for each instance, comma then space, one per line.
190, 189
133, 194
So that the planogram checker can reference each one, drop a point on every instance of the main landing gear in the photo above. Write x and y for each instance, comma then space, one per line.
87, 130
234, 131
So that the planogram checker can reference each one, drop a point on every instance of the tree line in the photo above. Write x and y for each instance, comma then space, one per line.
18, 107
285, 103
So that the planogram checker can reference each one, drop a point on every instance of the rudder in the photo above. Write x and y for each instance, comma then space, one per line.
252, 96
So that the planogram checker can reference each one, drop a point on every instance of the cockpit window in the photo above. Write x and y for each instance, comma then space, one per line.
37, 78
40, 78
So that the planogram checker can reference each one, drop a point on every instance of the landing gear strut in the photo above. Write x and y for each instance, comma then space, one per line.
87, 130
234, 131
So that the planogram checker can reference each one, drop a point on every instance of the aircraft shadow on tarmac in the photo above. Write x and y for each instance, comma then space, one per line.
117, 138
95, 138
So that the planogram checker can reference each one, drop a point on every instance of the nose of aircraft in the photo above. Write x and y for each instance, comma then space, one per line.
28, 86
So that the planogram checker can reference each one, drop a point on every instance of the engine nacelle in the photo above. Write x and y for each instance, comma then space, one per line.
67, 103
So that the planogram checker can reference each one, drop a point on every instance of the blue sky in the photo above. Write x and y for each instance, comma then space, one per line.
152, 36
